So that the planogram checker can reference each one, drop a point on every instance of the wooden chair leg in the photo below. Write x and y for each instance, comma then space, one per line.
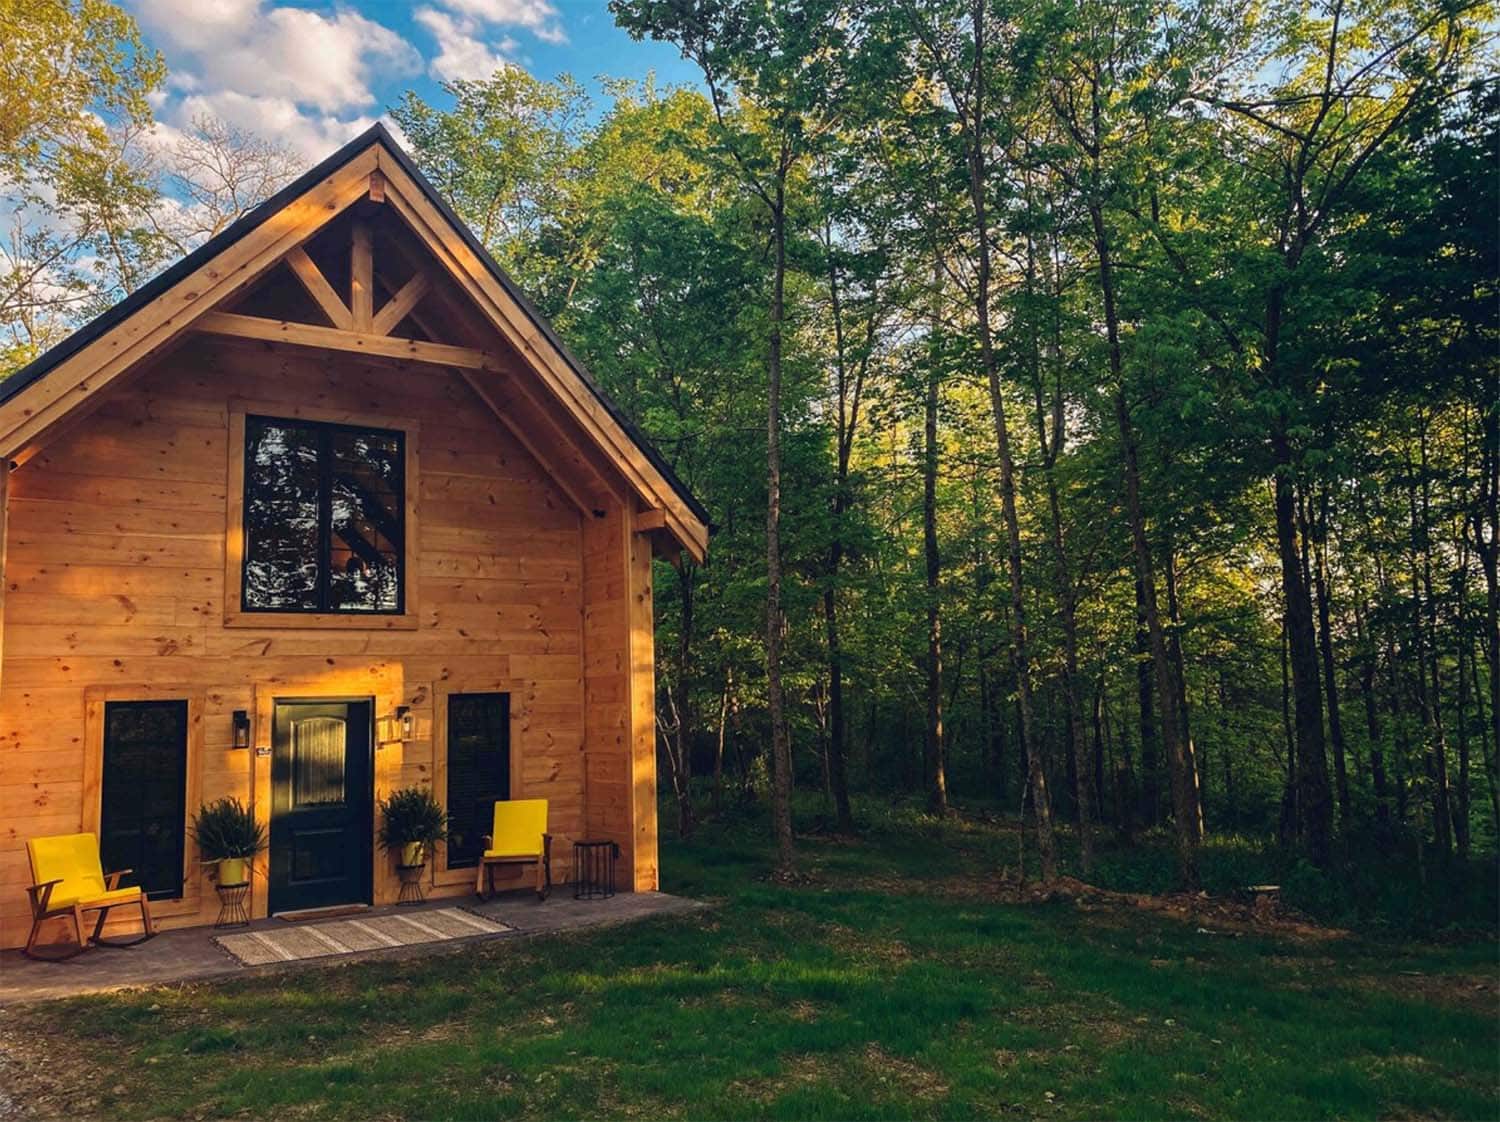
146, 917
78, 925
479, 879
99, 925
36, 926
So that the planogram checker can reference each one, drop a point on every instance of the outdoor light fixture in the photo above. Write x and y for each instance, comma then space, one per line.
241, 729
403, 714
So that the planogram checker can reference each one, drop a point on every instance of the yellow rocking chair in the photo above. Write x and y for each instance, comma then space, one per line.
68, 880
518, 837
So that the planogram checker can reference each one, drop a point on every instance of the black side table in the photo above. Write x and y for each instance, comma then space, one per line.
411, 883
594, 869
232, 912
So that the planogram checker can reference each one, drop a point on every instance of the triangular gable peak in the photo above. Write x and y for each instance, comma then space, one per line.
361, 256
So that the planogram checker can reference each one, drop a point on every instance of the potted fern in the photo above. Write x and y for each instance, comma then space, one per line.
411, 823
228, 836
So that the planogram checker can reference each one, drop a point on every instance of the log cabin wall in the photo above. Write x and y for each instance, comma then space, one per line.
115, 587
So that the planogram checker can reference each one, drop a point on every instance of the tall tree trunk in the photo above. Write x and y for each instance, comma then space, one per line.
1286, 830
937, 793
1145, 686
848, 421
723, 730
838, 737
1461, 793
1487, 753
781, 748
1051, 419
1314, 799
1424, 638
1184, 801
1488, 547
682, 769
1125, 797
978, 185
1193, 779
1372, 716
1231, 805
1323, 593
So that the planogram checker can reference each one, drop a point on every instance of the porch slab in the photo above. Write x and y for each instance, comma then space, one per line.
189, 954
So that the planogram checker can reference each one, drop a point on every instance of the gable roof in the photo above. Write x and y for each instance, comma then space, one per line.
38, 369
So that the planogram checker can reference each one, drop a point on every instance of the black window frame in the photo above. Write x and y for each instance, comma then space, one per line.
179, 819
464, 862
325, 431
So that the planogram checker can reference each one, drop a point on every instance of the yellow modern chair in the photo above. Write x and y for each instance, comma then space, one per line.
68, 880
518, 837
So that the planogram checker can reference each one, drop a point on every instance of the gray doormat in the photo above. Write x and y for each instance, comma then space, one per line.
344, 936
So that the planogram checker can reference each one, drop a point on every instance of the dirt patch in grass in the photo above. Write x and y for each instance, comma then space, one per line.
796, 1071
902, 1075
866, 948
1470, 992
1265, 916
24, 1097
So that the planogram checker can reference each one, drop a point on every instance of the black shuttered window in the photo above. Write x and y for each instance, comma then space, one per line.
144, 793
478, 770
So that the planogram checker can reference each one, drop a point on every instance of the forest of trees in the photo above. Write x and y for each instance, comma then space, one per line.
1097, 401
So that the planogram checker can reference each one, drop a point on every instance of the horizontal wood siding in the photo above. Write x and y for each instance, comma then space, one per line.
115, 578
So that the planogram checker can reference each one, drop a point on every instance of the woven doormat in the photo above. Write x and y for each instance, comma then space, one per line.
344, 936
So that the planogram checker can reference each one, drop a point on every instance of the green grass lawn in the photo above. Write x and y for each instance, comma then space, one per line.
870, 992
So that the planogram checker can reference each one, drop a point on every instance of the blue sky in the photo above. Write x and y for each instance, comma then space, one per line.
312, 74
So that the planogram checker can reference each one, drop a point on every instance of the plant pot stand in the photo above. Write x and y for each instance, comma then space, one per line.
594, 869
411, 884
232, 910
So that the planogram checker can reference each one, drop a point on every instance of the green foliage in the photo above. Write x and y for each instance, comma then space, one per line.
1241, 160
70, 68
411, 815
225, 829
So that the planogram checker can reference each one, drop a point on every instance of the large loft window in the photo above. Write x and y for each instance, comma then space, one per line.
324, 518
143, 793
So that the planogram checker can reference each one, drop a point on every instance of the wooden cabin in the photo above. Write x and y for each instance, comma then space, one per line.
329, 480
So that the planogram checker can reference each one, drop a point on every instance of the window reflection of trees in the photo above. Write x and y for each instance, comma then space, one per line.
324, 518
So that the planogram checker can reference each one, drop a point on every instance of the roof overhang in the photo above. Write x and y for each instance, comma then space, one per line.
45, 398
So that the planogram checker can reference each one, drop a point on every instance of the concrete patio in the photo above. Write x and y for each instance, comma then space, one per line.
190, 954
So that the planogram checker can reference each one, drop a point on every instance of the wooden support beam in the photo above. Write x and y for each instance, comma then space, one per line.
319, 289
377, 187
362, 278
332, 339
399, 306
653, 518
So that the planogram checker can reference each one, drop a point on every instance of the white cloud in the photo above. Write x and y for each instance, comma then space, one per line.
322, 61
461, 52
310, 134
536, 16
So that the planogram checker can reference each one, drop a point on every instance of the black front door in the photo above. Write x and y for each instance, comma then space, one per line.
321, 804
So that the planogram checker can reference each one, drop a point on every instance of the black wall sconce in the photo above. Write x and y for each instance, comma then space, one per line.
241, 729
403, 714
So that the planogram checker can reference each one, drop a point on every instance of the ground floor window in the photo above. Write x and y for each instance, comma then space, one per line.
478, 770
143, 793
